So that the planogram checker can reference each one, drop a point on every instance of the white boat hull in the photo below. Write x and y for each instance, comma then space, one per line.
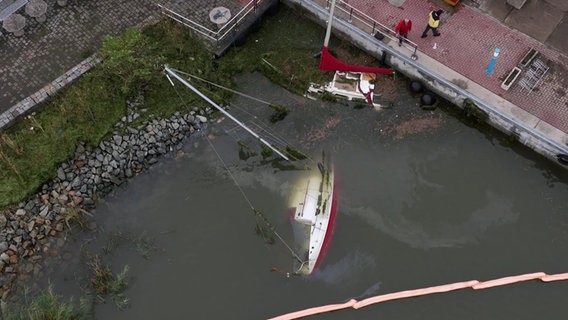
315, 207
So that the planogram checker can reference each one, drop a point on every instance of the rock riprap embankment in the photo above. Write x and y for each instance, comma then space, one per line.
30, 230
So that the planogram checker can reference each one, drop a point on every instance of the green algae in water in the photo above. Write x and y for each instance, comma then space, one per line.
474, 112
266, 151
280, 112
245, 151
295, 154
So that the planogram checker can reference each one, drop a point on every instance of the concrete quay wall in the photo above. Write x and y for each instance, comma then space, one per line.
503, 115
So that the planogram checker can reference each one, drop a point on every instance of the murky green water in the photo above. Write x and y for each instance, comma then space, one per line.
421, 203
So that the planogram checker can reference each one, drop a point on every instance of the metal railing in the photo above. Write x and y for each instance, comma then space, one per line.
225, 33
344, 11
365, 23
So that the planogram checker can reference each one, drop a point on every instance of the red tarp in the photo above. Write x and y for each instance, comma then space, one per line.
331, 63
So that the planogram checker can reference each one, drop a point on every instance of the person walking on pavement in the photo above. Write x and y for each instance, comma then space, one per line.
402, 29
433, 23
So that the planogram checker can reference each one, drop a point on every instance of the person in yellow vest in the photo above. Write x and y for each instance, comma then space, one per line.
433, 23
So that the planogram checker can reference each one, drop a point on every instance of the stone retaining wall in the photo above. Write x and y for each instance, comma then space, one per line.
30, 230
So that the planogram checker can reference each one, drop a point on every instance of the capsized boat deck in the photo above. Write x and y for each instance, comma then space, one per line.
314, 204
351, 86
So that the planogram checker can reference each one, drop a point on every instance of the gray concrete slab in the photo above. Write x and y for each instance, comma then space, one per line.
537, 19
498, 9
561, 5
559, 37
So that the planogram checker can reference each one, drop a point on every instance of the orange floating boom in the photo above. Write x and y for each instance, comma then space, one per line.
474, 284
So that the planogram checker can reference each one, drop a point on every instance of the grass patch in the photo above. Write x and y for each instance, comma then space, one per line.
76, 216
105, 283
31, 149
101, 275
48, 306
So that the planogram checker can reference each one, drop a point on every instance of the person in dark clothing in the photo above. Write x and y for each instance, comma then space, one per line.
433, 23
402, 29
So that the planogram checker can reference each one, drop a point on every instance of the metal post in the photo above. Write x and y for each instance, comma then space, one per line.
329, 22
489, 70
414, 56
204, 97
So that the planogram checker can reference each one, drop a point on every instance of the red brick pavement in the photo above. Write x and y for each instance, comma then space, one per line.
466, 45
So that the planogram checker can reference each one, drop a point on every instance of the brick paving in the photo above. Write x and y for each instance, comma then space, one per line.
466, 45
70, 34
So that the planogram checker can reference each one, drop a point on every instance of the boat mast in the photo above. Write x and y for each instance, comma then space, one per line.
329, 21
182, 80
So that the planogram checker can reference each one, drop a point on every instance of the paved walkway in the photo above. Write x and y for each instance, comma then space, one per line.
70, 34
469, 37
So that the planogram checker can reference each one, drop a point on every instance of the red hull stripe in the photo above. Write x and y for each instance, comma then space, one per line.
330, 226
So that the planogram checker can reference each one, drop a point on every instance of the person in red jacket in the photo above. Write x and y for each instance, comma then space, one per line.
402, 29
